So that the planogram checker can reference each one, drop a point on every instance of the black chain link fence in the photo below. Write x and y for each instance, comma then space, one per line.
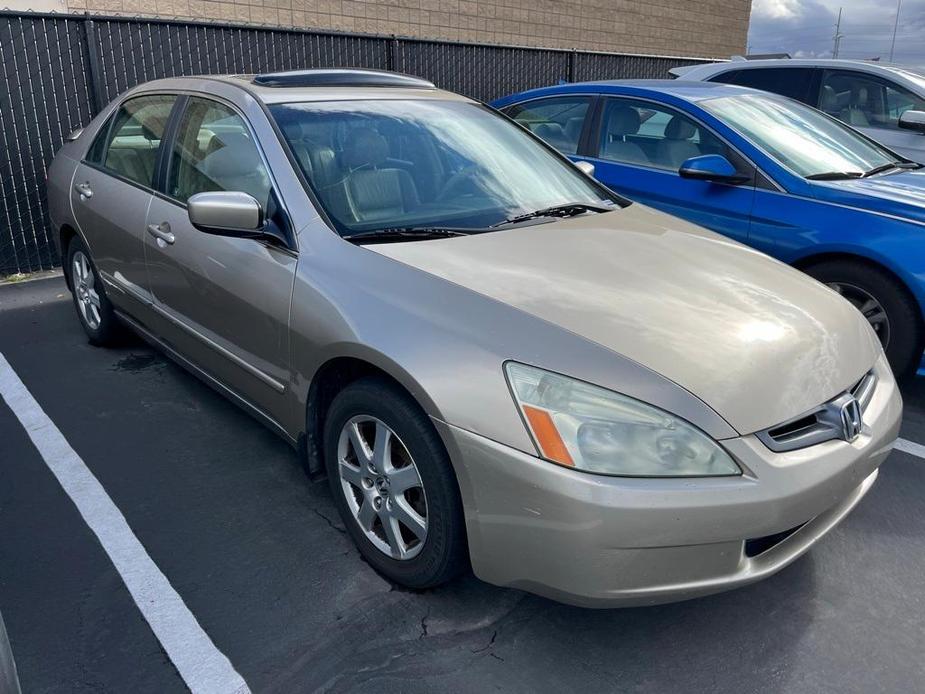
59, 70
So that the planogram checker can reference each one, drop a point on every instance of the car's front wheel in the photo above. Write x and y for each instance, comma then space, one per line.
393, 484
891, 311
93, 308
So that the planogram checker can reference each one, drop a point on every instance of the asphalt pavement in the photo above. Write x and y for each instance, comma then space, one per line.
259, 556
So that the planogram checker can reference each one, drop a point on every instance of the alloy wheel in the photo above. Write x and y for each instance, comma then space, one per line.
382, 487
872, 309
84, 281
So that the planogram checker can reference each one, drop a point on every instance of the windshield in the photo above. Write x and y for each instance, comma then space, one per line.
425, 163
804, 140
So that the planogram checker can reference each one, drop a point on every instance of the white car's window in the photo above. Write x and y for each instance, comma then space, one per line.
558, 120
426, 163
802, 139
865, 100
214, 151
648, 134
129, 146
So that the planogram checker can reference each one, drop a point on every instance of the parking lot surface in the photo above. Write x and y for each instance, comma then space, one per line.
259, 556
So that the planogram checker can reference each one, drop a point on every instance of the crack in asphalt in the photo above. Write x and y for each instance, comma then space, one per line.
327, 520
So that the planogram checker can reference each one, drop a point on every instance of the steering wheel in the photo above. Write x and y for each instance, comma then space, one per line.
457, 184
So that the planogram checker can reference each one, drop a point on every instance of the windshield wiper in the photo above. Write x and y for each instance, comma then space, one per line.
401, 233
892, 165
834, 175
569, 209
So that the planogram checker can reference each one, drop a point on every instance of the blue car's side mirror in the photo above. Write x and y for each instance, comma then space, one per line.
711, 167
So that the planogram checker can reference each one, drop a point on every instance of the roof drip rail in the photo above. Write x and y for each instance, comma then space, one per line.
341, 77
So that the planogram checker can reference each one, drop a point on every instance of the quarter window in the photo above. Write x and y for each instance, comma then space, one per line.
647, 134
558, 121
865, 100
214, 151
133, 139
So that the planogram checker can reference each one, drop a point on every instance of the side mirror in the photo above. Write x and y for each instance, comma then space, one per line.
913, 120
585, 167
226, 214
73, 135
711, 167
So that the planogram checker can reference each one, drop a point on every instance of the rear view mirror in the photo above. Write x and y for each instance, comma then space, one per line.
711, 167
585, 167
913, 120
226, 214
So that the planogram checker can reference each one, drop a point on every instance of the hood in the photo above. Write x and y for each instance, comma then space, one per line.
900, 194
756, 340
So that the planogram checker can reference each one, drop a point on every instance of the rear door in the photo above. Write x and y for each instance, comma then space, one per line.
112, 190
873, 105
639, 147
560, 121
223, 302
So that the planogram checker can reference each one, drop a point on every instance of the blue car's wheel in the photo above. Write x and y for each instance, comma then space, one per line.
887, 305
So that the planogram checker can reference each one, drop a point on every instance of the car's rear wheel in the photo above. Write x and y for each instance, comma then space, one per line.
393, 484
886, 304
93, 308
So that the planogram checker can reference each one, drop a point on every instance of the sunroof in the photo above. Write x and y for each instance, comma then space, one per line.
341, 77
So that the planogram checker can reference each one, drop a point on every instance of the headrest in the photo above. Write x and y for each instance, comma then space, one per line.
236, 157
858, 96
365, 147
293, 131
679, 128
623, 121
829, 98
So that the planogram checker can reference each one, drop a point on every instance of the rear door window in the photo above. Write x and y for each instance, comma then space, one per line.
794, 82
133, 139
557, 120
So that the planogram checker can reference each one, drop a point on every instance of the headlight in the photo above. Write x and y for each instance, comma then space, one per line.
593, 429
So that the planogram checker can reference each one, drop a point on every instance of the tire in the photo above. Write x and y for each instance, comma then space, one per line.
902, 333
94, 311
442, 553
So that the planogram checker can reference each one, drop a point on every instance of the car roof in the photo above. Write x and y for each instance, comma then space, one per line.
743, 64
691, 91
317, 85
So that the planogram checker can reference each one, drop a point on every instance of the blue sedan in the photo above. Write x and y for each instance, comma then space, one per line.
762, 169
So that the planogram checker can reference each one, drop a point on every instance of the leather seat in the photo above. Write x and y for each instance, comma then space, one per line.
236, 166
317, 161
553, 134
623, 121
856, 114
373, 191
676, 147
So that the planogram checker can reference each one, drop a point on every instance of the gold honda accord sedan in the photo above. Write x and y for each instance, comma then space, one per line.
498, 362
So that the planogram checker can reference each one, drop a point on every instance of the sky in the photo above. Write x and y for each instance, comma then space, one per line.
805, 28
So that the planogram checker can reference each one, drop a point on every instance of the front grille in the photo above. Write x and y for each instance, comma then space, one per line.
823, 423
760, 545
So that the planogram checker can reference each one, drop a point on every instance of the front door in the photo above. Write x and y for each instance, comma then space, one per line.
642, 145
873, 105
112, 191
224, 302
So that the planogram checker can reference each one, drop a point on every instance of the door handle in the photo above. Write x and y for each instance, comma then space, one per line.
84, 190
162, 232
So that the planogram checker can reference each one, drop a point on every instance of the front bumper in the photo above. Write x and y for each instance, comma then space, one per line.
602, 541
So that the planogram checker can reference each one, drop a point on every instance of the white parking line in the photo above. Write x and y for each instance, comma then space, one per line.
910, 447
202, 666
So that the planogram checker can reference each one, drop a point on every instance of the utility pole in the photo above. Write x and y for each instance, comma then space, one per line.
899, 4
838, 35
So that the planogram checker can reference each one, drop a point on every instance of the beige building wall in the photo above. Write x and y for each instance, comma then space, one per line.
708, 28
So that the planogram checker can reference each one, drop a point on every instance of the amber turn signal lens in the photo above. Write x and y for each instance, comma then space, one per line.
546, 434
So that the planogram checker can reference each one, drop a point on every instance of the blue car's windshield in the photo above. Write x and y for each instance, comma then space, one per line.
804, 140
425, 164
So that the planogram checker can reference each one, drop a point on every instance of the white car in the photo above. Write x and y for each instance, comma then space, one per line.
885, 102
